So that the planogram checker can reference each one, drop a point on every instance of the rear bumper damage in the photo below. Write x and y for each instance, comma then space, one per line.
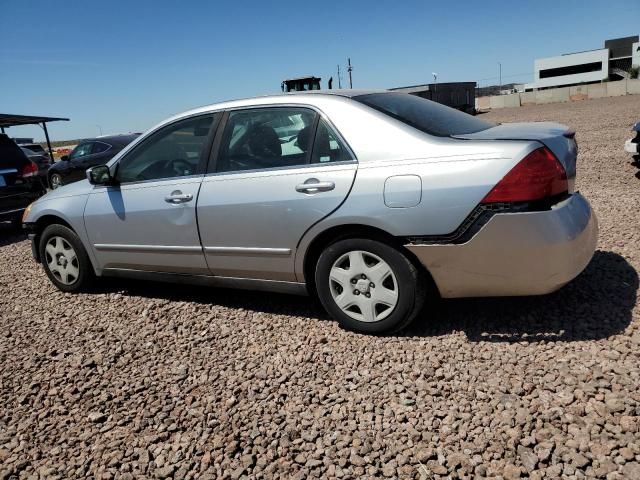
528, 253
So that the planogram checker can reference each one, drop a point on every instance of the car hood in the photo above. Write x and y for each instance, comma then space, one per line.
83, 187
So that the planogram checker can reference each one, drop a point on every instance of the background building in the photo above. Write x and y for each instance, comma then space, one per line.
611, 62
460, 95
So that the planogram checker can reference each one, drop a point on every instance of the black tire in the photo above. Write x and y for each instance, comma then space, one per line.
411, 285
86, 275
51, 181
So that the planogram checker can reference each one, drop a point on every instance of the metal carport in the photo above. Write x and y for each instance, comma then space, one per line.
8, 120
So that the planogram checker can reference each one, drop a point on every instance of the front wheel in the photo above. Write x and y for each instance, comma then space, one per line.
65, 259
369, 286
55, 181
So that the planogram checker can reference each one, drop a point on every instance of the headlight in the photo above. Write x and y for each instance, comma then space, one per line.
25, 214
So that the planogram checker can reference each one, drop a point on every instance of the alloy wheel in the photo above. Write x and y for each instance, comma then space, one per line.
62, 260
363, 286
56, 181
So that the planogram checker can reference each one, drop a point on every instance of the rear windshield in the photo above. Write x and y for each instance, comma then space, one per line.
34, 148
10, 154
430, 117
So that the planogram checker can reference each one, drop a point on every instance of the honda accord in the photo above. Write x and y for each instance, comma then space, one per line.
376, 202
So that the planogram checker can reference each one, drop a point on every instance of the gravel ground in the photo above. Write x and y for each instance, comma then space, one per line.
160, 381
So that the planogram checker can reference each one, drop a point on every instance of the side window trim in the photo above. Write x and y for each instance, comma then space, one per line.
202, 161
212, 163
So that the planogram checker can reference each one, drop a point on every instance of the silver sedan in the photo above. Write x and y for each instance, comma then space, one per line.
376, 202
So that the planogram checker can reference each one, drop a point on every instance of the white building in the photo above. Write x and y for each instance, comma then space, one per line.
611, 62
571, 69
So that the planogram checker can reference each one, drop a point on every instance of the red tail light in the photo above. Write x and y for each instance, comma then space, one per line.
29, 170
538, 175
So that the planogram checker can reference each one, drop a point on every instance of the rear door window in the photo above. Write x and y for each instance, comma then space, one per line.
99, 147
81, 150
260, 138
425, 115
328, 146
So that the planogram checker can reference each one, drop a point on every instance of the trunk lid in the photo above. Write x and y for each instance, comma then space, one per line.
558, 138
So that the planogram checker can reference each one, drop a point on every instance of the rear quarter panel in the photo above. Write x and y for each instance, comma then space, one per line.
454, 174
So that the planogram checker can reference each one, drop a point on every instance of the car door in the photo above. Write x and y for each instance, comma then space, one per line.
147, 219
268, 184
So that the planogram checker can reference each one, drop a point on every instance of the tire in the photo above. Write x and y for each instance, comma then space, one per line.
384, 292
65, 259
55, 181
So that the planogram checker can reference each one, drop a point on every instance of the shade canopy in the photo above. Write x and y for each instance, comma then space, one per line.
9, 120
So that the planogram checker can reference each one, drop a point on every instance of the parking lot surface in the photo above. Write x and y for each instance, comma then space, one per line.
172, 381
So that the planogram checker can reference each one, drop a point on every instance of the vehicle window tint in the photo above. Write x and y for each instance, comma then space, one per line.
173, 151
10, 154
81, 150
328, 147
99, 147
423, 114
266, 138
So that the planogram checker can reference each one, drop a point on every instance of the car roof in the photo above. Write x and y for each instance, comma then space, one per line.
123, 139
309, 97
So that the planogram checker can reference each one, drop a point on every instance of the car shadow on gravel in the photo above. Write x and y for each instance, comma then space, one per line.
10, 234
263, 302
595, 305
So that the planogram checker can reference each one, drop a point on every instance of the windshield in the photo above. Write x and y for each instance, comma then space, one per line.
430, 117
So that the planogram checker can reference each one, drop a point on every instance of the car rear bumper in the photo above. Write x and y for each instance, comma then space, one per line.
530, 253
631, 147
10, 213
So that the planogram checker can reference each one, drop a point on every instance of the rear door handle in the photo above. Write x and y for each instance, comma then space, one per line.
313, 185
177, 197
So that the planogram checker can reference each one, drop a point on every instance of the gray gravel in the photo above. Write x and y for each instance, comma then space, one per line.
160, 381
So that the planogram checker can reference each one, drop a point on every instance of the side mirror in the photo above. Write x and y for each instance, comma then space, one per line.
99, 175
64, 158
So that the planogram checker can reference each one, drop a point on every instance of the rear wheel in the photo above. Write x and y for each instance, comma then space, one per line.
65, 259
55, 181
369, 286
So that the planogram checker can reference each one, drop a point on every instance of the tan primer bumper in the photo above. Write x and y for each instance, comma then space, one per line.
530, 253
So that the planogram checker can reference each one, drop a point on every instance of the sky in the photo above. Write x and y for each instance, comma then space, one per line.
117, 66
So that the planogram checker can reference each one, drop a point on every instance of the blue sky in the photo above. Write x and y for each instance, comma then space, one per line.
123, 66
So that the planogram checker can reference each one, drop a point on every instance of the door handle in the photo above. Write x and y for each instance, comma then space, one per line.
313, 185
178, 197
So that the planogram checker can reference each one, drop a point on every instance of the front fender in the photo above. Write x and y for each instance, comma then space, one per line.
68, 209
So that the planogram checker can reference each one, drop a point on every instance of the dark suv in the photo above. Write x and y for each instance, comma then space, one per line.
88, 153
19, 181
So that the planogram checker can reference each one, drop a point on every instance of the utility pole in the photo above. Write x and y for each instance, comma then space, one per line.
500, 76
339, 81
435, 87
349, 69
